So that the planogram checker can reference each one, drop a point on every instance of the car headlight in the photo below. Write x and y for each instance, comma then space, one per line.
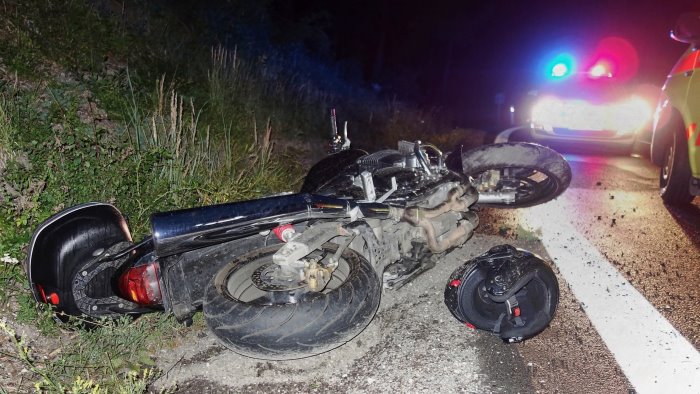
630, 115
546, 112
623, 117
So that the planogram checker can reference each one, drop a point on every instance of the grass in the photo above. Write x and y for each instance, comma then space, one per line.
163, 156
113, 357
5, 132
73, 136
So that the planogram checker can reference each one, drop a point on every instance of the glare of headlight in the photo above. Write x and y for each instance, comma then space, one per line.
623, 117
546, 111
559, 70
630, 115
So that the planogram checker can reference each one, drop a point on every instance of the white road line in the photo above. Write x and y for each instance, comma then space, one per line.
653, 355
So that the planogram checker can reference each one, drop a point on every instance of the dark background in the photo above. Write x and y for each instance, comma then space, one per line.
457, 55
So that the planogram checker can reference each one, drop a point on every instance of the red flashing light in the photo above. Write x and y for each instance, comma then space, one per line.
140, 284
601, 69
455, 283
516, 311
469, 325
619, 56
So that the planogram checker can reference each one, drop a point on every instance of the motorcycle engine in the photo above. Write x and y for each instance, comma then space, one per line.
413, 180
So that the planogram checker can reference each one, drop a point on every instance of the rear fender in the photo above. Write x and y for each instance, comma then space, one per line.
65, 243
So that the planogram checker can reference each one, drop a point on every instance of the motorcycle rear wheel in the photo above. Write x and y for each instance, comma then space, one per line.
536, 173
285, 324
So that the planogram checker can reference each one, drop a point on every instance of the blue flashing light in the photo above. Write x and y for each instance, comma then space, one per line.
561, 67
559, 70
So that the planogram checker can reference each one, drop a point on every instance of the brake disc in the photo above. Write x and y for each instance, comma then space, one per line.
271, 277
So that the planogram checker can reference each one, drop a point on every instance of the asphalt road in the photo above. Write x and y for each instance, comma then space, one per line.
639, 269
613, 201
656, 247
628, 269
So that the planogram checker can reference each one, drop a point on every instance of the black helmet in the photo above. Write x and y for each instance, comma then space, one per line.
508, 291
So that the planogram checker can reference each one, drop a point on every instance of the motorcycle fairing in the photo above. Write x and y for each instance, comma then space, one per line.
328, 168
64, 243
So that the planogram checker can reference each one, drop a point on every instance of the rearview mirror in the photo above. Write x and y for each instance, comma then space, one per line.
687, 28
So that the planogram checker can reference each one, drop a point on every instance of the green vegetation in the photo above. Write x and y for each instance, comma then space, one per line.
113, 357
130, 103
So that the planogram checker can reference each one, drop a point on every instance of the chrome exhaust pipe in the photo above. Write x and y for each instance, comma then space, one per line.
187, 229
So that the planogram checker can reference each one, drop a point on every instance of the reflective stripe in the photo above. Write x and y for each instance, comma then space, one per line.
688, 63
690, 131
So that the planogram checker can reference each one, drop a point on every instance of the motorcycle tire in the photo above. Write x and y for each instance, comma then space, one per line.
523, 159
296, 327
469, 297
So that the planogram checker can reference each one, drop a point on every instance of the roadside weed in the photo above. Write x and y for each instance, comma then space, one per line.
113, 356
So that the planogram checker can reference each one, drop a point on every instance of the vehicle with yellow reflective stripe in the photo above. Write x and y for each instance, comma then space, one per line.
676, 137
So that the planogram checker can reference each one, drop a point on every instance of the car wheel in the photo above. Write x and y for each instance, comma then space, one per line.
674, 178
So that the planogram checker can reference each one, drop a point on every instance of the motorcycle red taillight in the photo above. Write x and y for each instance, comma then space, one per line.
141, 285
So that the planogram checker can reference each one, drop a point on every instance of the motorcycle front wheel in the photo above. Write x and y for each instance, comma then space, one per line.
533, 173
279, 320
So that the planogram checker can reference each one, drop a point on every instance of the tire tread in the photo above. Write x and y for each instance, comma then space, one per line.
325, 321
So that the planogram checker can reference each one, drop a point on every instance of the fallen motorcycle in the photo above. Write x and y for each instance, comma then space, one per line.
294, 275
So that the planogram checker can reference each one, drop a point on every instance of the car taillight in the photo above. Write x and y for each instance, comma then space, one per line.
141, 285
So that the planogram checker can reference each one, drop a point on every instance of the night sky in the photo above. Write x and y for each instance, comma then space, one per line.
461, 53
